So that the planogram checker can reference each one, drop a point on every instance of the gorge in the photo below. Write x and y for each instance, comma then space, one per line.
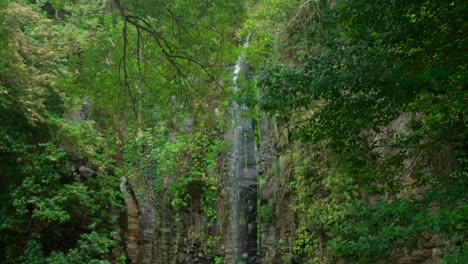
233, 131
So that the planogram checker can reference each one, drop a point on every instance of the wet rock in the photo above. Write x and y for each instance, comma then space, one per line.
188, 124
209, 257
268, 191
421, 254
71, 167
181, 257
404, 260
86, 172
133, 226
436, 253
245, 255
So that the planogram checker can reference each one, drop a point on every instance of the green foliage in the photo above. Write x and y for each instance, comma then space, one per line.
133, 67
323, 190
33, 253
42, 201
366, 239
90, 245
459, 255
373, 232
142, 162
265, 212
192, 158
376, 94
357, 87
219, 260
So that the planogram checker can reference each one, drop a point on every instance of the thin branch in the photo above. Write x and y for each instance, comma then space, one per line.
123, 64
170, 51
142, 77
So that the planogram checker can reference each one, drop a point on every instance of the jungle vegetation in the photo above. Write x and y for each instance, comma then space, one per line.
374, 95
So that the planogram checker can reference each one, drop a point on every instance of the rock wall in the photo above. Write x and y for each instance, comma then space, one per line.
277, 221
132, 228
276, 218
242, 229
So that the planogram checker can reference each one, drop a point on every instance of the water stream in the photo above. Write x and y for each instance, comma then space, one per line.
243, 175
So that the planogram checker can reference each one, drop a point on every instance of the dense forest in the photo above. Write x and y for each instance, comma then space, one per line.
231, 131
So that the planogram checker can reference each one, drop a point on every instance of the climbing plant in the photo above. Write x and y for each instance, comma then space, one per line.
380, 91
50, 211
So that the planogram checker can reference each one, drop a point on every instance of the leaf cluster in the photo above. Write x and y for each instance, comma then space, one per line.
380, 89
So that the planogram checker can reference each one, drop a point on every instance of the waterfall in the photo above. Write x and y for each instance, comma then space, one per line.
243, 179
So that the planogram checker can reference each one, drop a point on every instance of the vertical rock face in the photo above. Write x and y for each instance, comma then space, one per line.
139, 226
243, 196
133, 221
148, 226
164, 239
158, 232
277, 221
242, 230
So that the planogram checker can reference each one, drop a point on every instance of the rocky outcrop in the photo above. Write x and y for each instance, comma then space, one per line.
148, 226
243, 175
277, 221
243, 196
132, 230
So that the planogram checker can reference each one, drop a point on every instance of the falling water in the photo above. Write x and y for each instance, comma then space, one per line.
243, 174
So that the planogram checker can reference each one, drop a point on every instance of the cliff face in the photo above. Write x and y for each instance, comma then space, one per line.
243, 177
276, 218
343, 177
242, 228
132, 227
287, 232
268, 223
